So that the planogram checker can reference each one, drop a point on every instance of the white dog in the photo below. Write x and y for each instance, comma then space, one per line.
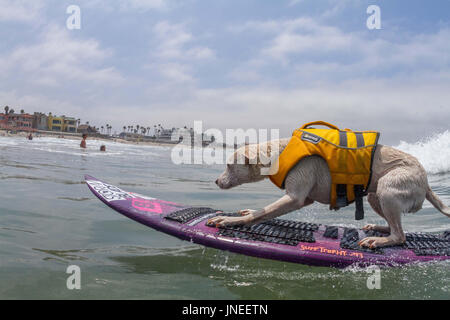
398, 185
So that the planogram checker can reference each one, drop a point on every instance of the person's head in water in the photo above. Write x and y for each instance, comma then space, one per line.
103, 147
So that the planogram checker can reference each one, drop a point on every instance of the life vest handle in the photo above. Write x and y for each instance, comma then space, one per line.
321, 123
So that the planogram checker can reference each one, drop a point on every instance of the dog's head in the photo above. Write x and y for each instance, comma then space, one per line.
247, 165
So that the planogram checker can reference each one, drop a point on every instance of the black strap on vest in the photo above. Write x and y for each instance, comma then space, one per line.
341, 196
359, 194
341, 189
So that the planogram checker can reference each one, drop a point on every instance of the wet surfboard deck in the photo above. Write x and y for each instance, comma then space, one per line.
277, 239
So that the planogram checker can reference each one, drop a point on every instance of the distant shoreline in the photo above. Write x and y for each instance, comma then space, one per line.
77, 137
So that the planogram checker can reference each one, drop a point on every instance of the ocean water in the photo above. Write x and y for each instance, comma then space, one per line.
49, 220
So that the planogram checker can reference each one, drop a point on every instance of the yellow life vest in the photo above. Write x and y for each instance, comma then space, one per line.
349, 156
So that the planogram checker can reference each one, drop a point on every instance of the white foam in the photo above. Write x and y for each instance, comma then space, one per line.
71, 147
432, 152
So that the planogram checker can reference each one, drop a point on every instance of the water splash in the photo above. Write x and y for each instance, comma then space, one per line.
433, 152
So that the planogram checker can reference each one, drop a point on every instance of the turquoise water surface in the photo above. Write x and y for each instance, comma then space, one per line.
49, 220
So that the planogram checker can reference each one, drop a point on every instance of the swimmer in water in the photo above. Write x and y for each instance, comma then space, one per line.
83, 142
103, 147
30, 137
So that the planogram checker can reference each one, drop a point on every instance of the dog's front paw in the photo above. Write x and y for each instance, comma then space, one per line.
375, 227
368, 227
222, 221
246, 212
377, 242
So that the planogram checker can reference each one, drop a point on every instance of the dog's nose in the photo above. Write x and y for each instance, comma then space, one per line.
217, 181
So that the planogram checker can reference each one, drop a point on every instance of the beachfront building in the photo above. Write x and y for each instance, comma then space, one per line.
61, 124
69, 124
16, 121
3, 121
55, 123
85, 128
40, 121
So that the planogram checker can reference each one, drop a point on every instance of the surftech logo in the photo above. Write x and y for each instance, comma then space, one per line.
109, 192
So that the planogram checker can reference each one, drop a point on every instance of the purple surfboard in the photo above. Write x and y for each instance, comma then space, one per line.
277, 239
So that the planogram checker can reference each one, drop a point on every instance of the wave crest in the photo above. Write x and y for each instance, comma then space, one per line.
433, 152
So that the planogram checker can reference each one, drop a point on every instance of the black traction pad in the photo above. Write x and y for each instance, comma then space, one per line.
293, 232
188, 214
331, 232
275, 231
279, 231
350, 241
425, 244
422, 244
270, 232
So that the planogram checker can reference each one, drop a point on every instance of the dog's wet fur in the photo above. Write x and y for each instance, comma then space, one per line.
398, 185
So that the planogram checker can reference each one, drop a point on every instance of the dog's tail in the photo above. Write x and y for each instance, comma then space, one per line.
437, 203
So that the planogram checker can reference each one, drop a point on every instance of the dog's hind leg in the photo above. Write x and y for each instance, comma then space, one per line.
374, 202
398, 192
396, 237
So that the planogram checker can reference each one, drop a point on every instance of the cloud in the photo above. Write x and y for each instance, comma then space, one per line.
144, 4
276, 73
20, 10
57, 57
176, 52
38, 102
128, 5
175, 43
308, 49
175, 72
294, 2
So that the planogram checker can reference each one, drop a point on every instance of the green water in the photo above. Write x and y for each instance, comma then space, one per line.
49, 220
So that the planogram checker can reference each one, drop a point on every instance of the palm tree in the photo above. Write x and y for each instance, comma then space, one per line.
11, 111
124, 128
6, 109
101, 129
22, 111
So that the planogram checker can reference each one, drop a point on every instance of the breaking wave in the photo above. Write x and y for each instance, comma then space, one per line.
433, 152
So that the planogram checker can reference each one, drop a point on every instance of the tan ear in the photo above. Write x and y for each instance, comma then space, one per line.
251, 154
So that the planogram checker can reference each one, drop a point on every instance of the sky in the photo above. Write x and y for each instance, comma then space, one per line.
261, 64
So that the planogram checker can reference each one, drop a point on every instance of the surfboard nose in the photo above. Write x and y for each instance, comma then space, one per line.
88, 177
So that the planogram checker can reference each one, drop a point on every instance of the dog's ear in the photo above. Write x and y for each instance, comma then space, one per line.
251, 154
